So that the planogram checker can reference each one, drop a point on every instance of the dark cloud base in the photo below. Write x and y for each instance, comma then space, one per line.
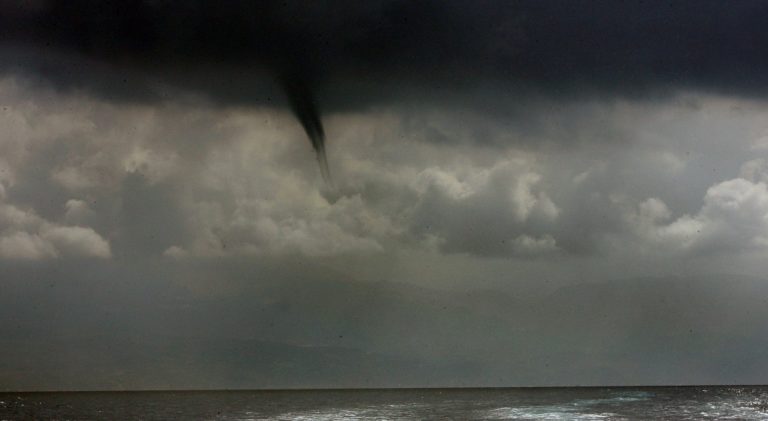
341, 56
563, 48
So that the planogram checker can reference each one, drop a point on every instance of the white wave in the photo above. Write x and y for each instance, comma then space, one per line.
543, 413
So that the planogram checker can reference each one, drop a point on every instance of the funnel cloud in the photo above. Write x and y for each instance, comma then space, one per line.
304, 106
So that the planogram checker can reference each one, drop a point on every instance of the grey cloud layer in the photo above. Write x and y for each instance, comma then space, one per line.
219, 182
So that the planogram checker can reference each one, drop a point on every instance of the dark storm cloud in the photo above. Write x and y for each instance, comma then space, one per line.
339, 56
354, 54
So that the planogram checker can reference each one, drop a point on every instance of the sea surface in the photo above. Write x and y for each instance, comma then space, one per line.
675, 403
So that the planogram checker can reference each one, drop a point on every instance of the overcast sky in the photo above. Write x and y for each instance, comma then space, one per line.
527, 193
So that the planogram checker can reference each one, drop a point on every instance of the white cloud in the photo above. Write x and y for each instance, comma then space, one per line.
526, 244
501, 209
25, 235
526, 202
77, 242
654, 210
11, 217
734, 217
737, 211
448, 182
25, 246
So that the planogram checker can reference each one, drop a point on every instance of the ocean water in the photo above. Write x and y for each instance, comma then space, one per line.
678, 403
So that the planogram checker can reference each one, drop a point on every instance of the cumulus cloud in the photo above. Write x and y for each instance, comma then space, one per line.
77, 242
733, 218
525, 202
737, 213
525, 244
25, 246
54, 242
188, 179
497, 211
25, 235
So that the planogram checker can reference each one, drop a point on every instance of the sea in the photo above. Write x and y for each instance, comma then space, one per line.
624, 403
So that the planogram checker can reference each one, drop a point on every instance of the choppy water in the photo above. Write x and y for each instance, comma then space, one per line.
679, 403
